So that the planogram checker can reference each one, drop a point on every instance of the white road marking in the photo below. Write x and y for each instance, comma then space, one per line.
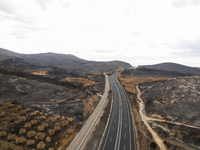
124, 147
125, 125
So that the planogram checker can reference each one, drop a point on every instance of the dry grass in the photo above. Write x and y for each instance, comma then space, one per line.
83, 81
39, 72
130, 82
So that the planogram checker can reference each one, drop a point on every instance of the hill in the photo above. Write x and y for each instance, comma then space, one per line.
68, 62
174, 67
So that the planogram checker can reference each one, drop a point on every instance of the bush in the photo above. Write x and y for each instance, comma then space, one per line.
41, 113
22, 131
42, 117
46, 114
57, 128
48, 139
20, 119
57, 117
4, 124
30, 142
40, 136
2, 114
41, 145
23, 112
7, 119
40, 128
51, 148
70, 119
53, 120
33, 122
19, 140
27, 125
64, 123
19, 148
69, 131
13, 117
2, 133
27, 109
30, 134
11, 137
1, 103
33, 114
19, 107
51, 132
45, 125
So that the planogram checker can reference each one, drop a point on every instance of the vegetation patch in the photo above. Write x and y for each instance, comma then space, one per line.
83, 81
33, 130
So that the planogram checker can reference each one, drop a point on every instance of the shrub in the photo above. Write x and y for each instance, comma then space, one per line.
7, 119
11, 137
51, 132
37, 112
2, 133
63, 118
40, 136
69, 131
44, 124
57, 117
22, 131
42, 117
41, 145
19, 140
33, 114
2, 114
64, 123
51, 148
4, 124
19, 107
30, 134
20, 119
41, 113
70, 119
33, 122
56, 143
48, 139
13, 117
27, 109
23, 112
53, 120
57, 128
172, 135
23, 106
19, 148
1, 103
30, 142
40, 128
27, 125
5, 107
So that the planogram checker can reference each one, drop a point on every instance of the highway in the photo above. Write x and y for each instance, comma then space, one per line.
119, 132
81, 139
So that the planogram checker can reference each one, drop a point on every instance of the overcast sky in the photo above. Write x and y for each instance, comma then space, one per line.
140, 32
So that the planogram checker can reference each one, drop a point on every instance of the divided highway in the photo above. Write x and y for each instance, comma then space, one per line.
119, 132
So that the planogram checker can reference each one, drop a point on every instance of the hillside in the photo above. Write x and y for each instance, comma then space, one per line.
174, 67
68, 62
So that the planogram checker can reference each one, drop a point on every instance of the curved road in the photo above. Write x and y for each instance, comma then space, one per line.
119, 132
81, 139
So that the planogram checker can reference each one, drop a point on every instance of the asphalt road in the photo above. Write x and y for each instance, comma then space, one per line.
119, 132
81, 139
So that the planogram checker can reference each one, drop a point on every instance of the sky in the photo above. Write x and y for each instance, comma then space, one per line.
140, 32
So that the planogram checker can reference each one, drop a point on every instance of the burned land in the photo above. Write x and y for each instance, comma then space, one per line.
171, 102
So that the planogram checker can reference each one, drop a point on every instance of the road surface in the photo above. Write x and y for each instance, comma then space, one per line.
119, 132
81, 139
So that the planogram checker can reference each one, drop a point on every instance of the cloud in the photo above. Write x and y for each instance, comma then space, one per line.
6, 6
188, 48
185, 3
42, 3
